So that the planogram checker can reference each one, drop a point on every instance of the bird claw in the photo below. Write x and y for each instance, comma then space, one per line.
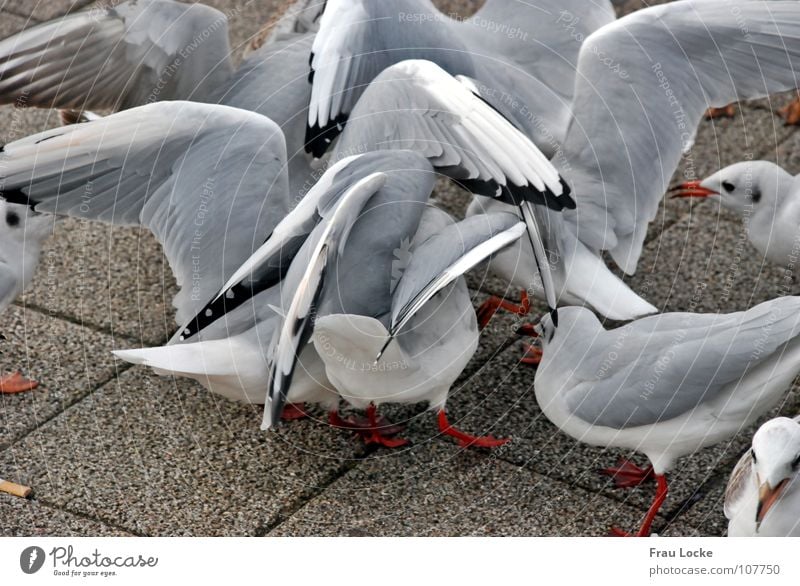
16, 383
293, 412
489, 307
373, 429
617, 532
532, 356
626, 474
466, 440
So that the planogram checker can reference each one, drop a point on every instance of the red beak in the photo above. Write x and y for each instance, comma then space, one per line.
692, 189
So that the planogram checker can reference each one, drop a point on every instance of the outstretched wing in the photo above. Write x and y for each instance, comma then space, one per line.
117, 57
643, 85
358, 39
209, 182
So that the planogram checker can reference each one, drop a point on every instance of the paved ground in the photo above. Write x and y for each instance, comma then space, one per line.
110, 449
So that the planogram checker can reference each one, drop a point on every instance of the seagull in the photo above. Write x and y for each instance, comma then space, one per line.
520, 57
262, 320
767, 198
382, 341
523, 66
762, 498
20, 247
666, 385
209, 181
629, 129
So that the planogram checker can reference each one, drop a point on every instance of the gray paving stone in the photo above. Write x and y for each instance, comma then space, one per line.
28, 518
165, 458
500, 400
111, 278
246, 18
439, 490
705, 263
68, 361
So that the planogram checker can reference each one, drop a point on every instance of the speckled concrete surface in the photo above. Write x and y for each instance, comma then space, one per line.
118, 450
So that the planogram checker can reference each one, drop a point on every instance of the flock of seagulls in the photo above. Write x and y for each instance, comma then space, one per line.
292, 198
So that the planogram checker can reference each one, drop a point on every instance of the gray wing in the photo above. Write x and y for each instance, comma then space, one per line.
118, 57
273, 81
416, 105
327, 240
527, 53
444, 257
268, 265
638, 107
208, 181
357, 39
669, 364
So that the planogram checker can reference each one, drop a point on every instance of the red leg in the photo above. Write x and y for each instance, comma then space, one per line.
626, 474
532, 356
527, 330
489, 307
466, 440
374, 430
658, 502
378, 434
16, 383
294, 411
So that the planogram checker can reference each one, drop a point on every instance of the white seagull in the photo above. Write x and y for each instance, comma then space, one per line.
763, 494
518, 58
666, 385
767, 198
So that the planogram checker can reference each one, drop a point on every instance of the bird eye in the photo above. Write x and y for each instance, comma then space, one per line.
728, 186
12, 219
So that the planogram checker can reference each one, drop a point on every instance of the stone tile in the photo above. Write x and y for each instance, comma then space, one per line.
164, 457
112, 278
44, 9
438, 490
625, 7
28, 518
10, 23
245, 19
68, 361
499, 400
705, 263
460, 8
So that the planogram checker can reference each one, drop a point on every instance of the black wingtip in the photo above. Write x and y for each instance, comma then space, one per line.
18, 196
515, 194
319, 139
554, 316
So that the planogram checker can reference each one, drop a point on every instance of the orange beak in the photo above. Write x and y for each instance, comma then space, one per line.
768, 496
692, 189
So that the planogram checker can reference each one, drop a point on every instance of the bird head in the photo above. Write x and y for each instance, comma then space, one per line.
740, 187
22, 233
776, 461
